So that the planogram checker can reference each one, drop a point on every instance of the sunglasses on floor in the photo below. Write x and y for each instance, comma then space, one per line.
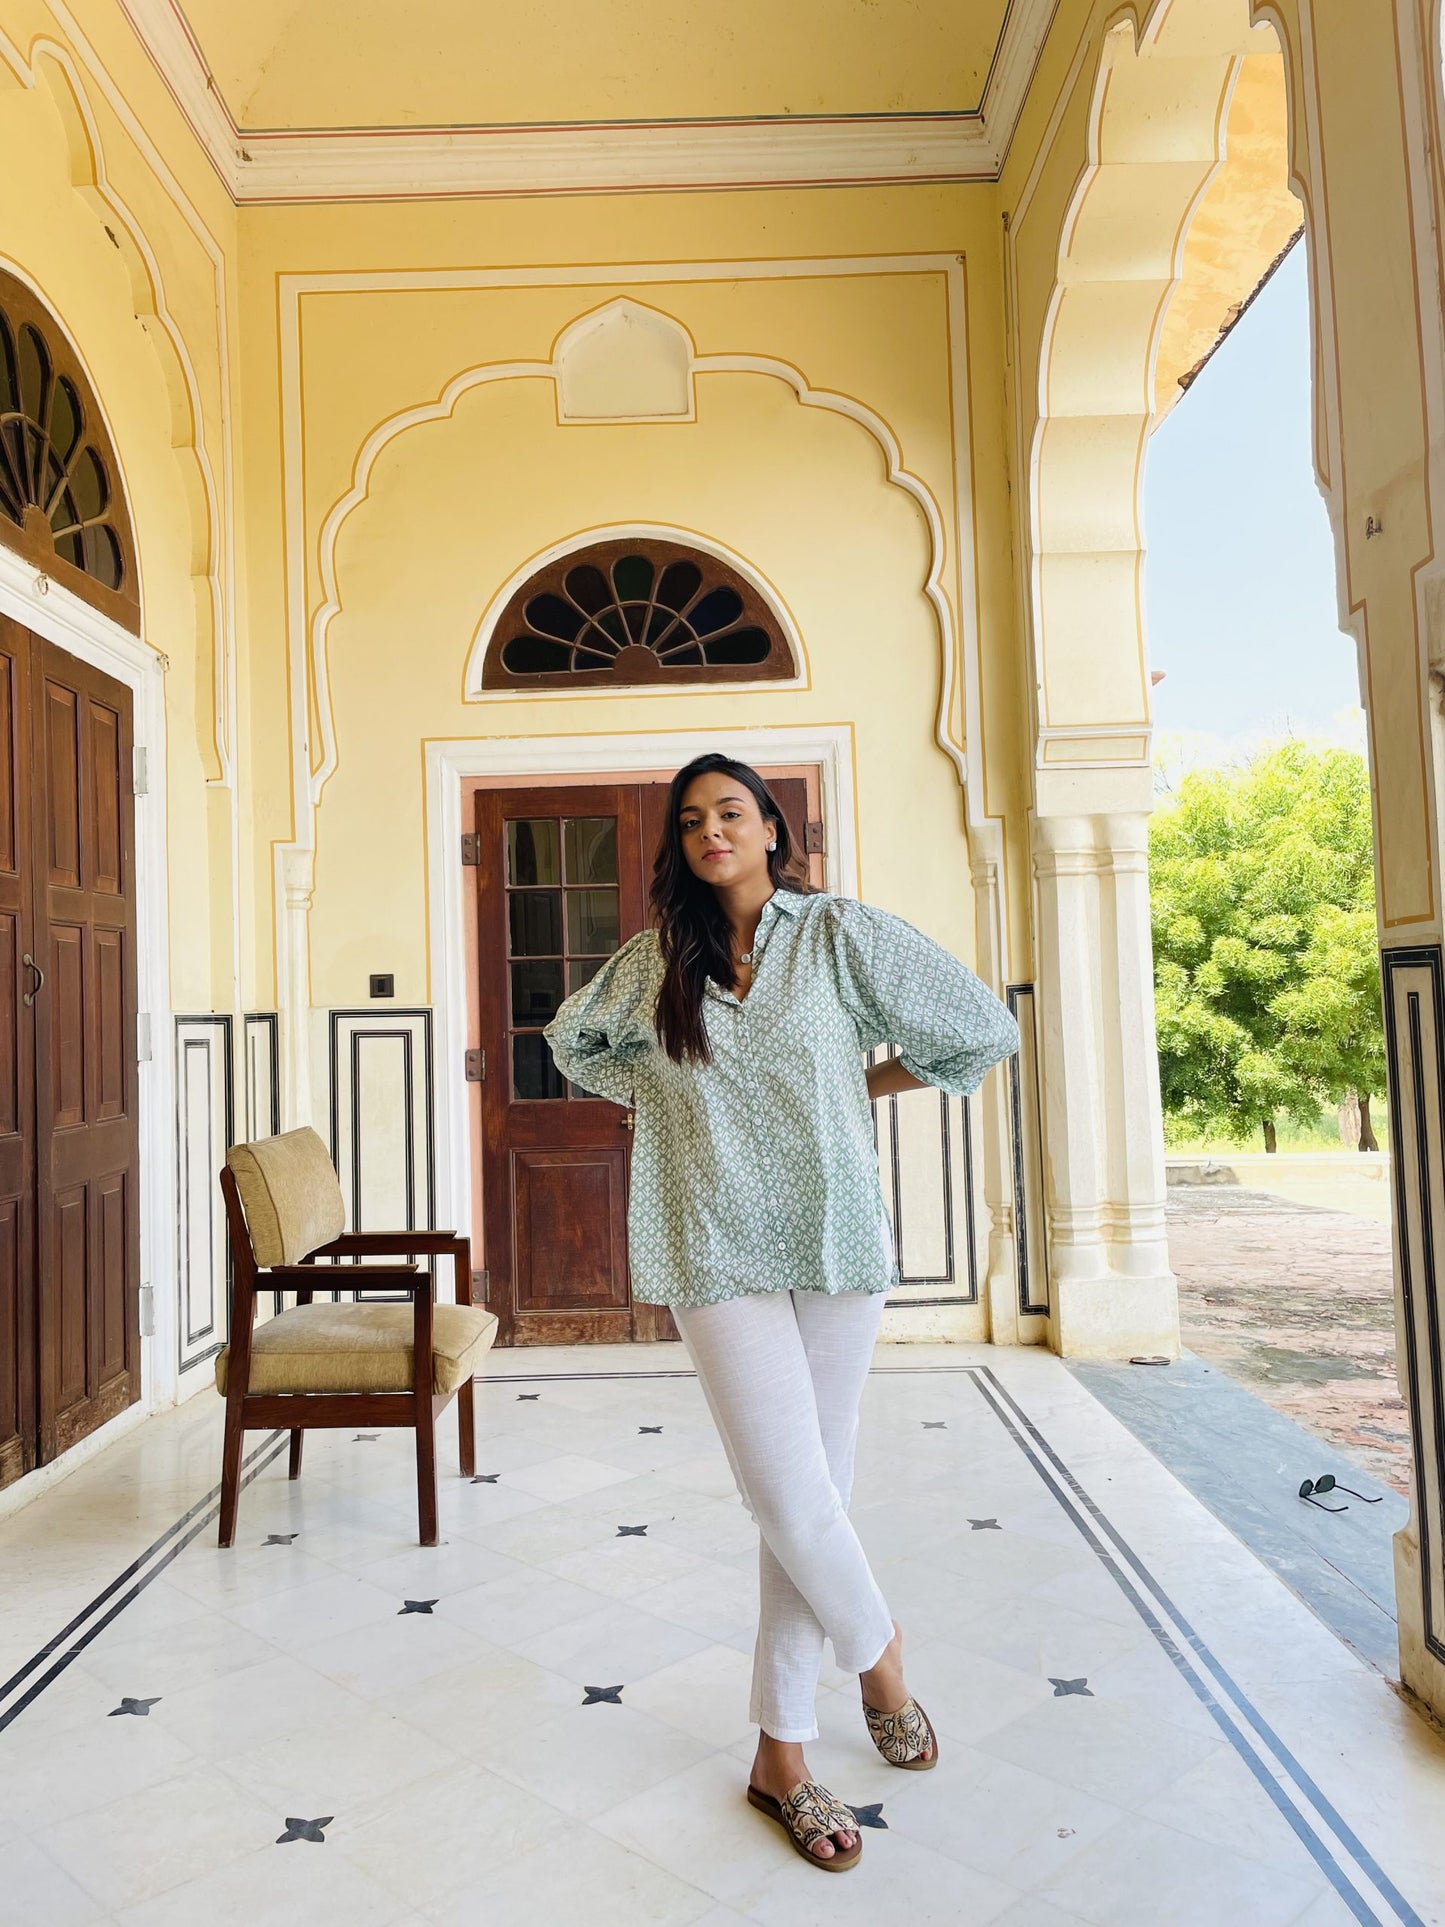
1327, 1482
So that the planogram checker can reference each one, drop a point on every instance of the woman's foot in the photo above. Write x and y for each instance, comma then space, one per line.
883, 1687
777, 1768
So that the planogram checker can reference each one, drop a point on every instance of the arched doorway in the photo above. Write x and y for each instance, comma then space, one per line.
69, 1137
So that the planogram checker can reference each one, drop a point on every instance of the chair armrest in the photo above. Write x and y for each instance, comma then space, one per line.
358, 1244
397, 1277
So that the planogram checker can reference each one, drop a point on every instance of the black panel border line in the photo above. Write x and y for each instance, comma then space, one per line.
1426, 957
1094, 1528
268, 1021
1014, 994
367, 1026
266, 1453
950, 1276
221, 1021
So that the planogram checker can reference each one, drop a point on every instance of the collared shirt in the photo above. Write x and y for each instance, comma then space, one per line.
758, 1171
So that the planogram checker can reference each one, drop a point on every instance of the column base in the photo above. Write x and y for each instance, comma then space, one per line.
1421, 1673
1115, 1315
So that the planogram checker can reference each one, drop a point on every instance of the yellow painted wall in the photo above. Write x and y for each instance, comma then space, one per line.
130, 240
453, 508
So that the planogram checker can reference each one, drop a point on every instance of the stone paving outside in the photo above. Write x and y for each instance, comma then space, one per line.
1295, 1301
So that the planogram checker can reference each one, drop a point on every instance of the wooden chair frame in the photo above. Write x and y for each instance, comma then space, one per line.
298, 1412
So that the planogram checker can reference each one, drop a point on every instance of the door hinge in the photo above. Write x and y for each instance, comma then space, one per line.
143, 1037
481, 1287
139, 773
813, 840
147, 1311
471, 849
476, 1062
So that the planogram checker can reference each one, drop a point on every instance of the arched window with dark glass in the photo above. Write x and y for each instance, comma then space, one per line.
61, 504
640, 611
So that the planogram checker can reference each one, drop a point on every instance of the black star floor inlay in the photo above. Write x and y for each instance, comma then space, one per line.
279, 1538
632, 1532
522, 1397
141, 1708
1064, 1687
416, 1606
870, 1816
598, 1695
486, 1478
935, 1425
366, 1438
305, 1830
984, 1525
649, 1428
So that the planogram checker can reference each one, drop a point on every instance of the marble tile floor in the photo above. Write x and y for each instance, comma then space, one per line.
545, 1718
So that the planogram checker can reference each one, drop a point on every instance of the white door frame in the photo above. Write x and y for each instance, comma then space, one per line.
49, 610
449, 763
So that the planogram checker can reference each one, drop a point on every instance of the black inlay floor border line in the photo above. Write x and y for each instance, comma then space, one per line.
681, 1371
269, 1450
1086, 1515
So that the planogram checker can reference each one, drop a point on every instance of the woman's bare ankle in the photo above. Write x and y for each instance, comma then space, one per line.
882, 1684
778, 1766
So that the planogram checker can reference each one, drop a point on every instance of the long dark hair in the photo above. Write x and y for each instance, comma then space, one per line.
691, 924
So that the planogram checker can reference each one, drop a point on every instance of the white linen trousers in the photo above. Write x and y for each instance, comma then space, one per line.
783, 1373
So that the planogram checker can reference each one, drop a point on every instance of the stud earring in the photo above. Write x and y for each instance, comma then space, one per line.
772, 846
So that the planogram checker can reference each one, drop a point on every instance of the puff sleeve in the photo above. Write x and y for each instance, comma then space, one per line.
902, 988
604, 1031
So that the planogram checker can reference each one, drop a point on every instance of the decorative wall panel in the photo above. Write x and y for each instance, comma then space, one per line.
204, 1130
260, 1074
383, 1116
1414, 999
1025, 1114
927, 1161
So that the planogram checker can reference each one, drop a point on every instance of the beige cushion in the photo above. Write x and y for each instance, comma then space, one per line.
290, 1195
362, 1348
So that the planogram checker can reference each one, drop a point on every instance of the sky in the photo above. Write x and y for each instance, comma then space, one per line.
1239, 570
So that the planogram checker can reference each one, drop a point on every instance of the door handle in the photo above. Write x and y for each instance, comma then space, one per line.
39, 984
626, 1124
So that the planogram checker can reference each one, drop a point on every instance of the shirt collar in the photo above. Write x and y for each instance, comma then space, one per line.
788, 901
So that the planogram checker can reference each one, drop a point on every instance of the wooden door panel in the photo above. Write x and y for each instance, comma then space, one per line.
16, 1447
110, 1056
112, 1243
105, 789
87, 1144
69, 1265
571, 1230
61, 847
65, 988
19, 1358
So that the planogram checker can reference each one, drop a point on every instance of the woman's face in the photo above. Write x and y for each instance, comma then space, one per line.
725, 836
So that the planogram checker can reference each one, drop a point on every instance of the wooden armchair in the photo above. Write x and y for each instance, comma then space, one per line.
362, 1365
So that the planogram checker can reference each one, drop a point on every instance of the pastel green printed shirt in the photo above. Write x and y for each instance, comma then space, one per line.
758, 1172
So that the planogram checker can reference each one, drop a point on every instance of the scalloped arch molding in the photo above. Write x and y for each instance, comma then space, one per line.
661, 374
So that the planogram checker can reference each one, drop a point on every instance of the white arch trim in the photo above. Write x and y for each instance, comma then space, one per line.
472, 689
846, 405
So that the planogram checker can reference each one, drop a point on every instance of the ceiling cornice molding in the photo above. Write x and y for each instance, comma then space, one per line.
609, 157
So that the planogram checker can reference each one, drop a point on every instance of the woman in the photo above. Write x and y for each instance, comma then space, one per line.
737, 1029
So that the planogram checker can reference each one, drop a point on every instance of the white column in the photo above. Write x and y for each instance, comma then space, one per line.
1110, 1289
295, 883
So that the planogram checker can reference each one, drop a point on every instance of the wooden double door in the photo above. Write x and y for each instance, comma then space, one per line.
562, 880
69, 1143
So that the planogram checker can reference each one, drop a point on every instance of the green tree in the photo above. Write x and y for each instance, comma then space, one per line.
1267, 989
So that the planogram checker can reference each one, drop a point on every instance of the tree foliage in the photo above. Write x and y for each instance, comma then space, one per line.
1266, 972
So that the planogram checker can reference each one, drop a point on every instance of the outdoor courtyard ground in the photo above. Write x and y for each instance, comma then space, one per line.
1294, 1300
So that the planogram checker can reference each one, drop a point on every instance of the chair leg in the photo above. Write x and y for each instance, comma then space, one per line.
467, 1425
297, 1438
426, 1470
235, 1439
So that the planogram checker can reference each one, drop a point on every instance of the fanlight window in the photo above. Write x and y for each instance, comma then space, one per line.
59, 503
636, 612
